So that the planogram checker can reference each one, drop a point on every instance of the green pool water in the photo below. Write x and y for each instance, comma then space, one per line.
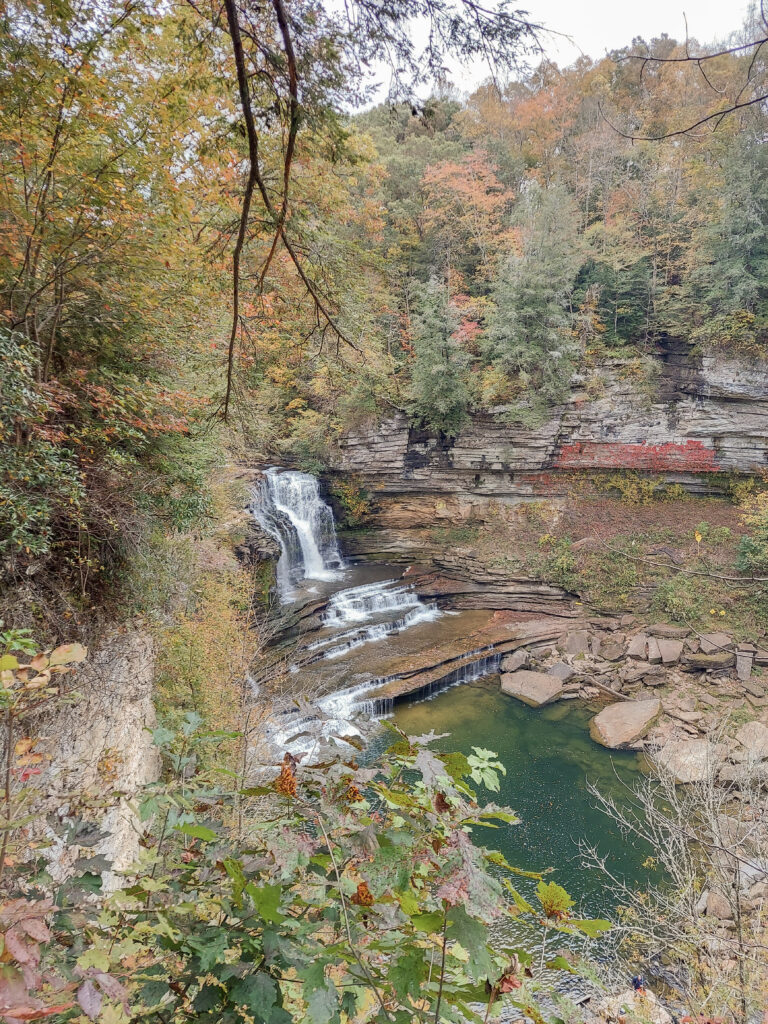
549, 758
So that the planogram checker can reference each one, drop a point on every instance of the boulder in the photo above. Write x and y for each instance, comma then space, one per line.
512, 662
753, 688
562, 671
711, 642
718, 906
664, 629
611, 650
637, 647
625, 722
687, 760
670, 651
533, 688
631, 1007
642, 670
754, 737
718, 661
577, 642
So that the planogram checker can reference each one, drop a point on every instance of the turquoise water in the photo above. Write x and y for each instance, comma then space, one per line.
549, 758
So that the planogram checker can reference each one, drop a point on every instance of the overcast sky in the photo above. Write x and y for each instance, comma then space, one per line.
597, 26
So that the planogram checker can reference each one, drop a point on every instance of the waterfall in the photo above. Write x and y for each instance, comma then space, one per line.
287, 504
360, 603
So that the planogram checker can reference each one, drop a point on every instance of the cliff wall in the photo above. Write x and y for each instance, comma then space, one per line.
693, 418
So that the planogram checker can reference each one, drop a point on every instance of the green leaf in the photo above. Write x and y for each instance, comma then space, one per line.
198, 832
407, 973
235, 871
209, 947
427, 922
266, 900
559, 963
520, 902
593, 927
259, 994
8, 663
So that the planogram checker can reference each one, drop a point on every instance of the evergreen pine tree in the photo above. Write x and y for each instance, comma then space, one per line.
440, 373
529, 332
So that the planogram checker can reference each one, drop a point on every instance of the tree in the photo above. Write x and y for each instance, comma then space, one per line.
708, 843
728, 282
529, 331
440, 369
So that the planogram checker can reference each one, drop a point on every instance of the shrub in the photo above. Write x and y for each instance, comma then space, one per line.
753, 549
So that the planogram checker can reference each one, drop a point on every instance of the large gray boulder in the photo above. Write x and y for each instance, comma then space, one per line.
623, 723
753, 736
687, 760
533, 688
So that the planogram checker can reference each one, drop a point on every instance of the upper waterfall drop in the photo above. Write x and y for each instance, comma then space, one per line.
289, 507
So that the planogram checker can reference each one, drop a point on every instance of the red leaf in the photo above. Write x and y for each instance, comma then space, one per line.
89, 998
36, 929
23, 952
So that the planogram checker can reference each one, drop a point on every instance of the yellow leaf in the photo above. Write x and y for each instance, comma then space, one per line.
697, 535
8, 663
23, 747
68, 653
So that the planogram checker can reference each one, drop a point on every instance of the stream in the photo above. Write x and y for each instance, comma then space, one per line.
369, 618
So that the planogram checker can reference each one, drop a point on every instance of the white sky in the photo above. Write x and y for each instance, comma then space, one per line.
597, 26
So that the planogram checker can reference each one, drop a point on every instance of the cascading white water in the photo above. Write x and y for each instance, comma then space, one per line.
360, 603
288, 506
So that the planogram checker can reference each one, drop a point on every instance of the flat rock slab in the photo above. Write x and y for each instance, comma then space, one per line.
562, 671
633, 673
744, 665
611, 650
754, 738
654, 651
638, 647
716, 661
711, 642
664, 629
687, 760
625, 722
670, 651
532, 688
753, 688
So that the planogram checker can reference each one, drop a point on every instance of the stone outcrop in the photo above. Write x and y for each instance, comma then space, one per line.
624, 723
101, 744
707, 415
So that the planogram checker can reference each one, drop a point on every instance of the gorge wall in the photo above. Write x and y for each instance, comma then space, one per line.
677, 416
694, 418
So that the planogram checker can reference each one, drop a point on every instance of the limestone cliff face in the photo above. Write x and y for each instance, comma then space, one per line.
700, 416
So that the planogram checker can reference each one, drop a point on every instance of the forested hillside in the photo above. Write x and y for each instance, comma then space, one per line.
266, 272
450, 255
